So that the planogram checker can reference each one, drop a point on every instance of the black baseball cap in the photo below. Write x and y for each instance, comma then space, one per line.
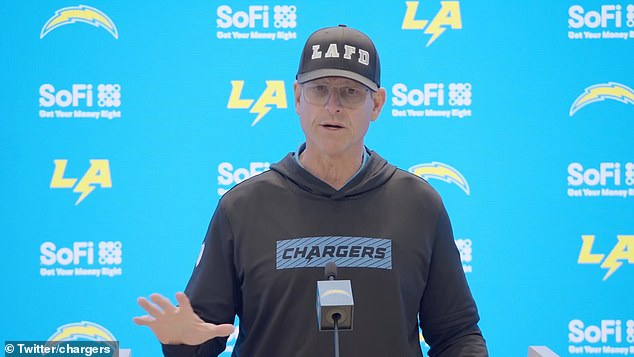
340, 51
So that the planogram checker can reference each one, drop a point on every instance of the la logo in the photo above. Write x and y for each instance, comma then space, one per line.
98, 174
273, 95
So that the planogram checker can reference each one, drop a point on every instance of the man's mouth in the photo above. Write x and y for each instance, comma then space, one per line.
332, 126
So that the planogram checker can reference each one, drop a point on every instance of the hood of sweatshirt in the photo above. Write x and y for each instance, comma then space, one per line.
375, 173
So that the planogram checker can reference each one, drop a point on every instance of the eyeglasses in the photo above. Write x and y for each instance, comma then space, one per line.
319, 94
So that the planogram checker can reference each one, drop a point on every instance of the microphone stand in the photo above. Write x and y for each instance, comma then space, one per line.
331, 310
335, 318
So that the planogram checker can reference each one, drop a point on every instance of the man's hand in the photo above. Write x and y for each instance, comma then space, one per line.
178, 325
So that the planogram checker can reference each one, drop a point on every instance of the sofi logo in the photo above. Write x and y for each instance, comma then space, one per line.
230, 175
447, 17
80, 251
274, 95
109, 253
622, 252
603, 17
256, 15
606, 173
432, 100
79, 100
98, 174
79, 259
254, 22
108, 95
605, 331
606, 179
427, 94
606, 22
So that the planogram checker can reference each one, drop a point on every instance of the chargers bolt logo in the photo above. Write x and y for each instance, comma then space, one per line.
85, 331
601, 92
440, 171
82, 331
81, 13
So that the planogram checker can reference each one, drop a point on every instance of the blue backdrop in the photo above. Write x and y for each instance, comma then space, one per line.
122, 124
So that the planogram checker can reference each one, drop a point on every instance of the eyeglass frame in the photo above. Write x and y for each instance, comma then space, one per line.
332, 89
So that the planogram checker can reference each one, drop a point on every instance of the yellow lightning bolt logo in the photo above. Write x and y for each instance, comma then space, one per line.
447, 16
82, 331
623, 250
273, 95
81, 13
612, 265
440, 171
97, 174
261, 108
601, 92
84, 188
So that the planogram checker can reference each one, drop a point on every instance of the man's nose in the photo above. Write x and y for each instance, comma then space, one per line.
334, 101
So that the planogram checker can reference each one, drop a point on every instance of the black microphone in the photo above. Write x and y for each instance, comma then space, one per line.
334, 304
331, 271
334, 301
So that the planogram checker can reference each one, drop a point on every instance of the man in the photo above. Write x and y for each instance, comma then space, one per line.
332, 200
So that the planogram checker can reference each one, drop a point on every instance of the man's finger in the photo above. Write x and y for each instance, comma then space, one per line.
143, 320
222, 330
164, 303
149, 307
183, 302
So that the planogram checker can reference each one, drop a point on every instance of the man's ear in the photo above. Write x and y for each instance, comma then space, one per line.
297, 94
378, 100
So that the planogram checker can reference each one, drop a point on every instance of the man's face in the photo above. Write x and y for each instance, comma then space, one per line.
335, 113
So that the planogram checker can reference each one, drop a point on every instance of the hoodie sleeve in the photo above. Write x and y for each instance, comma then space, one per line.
448, 314
213, 288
